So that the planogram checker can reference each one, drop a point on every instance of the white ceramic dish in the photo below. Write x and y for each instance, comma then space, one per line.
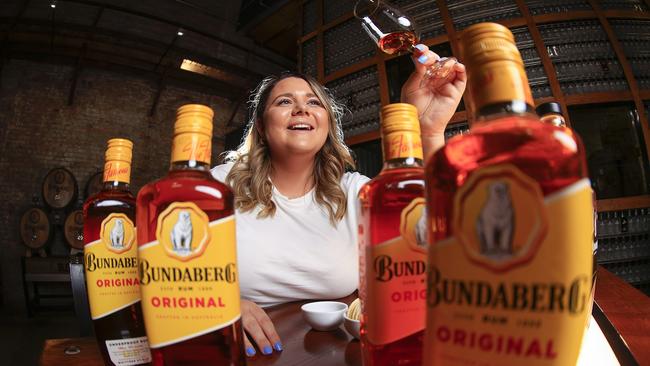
324, 315
352, 326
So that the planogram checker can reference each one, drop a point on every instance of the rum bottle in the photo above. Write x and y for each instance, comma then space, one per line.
510, 225
110, 263
392, 246
551, 112
188, 262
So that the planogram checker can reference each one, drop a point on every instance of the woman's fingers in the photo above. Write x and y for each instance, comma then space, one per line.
423, 57
250, 350
259, 329
268, 328
254, 331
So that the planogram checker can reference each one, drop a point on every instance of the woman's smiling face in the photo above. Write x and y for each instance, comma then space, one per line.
294, 120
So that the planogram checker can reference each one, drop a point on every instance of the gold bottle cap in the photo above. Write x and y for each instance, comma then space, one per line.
119, 149
484, 42
399, 117
194, 118
496, 72
400, 132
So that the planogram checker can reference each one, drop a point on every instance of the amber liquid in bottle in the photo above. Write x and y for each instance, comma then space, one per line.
509, 263
383, 201
191, 181
126, 323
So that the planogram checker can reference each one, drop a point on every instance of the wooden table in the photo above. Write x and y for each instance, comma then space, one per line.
626, 308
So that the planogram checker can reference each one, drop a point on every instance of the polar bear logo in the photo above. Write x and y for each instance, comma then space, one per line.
117, 234
181, 234
495, 223
421, 230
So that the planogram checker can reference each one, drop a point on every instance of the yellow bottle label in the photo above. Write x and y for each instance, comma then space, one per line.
402, 144
189, 276
111, 265
395, 276
512, 285
116, 170
192, 146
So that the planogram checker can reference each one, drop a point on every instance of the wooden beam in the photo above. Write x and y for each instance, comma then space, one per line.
547, 63
80, 59
626, 14
320, 53
187, 27
75, 76
383, 83
452, 35
363, 137
164, 54
627, 70
238, 103
159, 90
599, 97
301, 12
14, 21
613, 204
563, 17
350, 69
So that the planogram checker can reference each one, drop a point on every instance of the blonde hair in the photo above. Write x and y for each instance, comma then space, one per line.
249, 176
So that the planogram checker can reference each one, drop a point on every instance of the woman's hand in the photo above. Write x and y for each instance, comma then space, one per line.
259, 328
436, 101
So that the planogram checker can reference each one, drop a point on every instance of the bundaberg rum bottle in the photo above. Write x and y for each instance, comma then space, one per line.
392, 246
110, 263
187, 258
510, 225
551, 112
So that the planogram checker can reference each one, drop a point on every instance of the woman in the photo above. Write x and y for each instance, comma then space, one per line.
296, 208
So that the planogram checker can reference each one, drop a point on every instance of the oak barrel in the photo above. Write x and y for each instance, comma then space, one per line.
35, 228
74, 229
94, 184
59, 188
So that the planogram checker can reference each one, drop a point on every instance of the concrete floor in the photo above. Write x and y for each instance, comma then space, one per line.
22, 338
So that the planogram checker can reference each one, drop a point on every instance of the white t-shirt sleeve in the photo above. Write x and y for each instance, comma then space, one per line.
352, 183
220, 172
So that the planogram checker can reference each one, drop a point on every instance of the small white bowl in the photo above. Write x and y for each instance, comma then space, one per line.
324, 315
352, 326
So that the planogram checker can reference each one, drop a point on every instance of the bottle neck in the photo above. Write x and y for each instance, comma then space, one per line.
189, 165
500, 89
553, 119
117, 171
401, 163
191, 149
402, 149
115, 186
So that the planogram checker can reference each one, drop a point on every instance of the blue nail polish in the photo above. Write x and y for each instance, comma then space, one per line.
422, 59
278, 346
267, 350
250, 351
419, 47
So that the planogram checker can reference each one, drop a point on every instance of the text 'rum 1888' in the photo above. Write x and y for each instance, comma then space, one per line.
392, 246
110, 263
510, 221
188, 262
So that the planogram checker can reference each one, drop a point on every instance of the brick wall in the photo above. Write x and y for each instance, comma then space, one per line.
39, 131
